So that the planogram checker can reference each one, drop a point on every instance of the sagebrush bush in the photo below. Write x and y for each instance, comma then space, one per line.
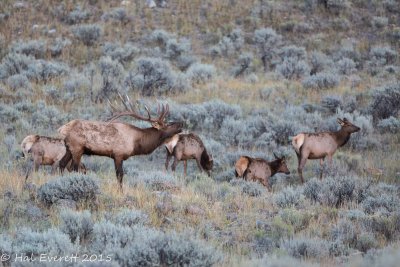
253, 189
75, 187
307, 248
58, 45
321, 80
112, 73
18, 81
78, 15
88, 34
288, 197
291, 68
385, 102
154, 76
160, 38
201, 73
124, 54
118, 14
108, 237
389, 125
155, 180
268, 42
154, 248
231, 43
332, 103
346, 66
243, 64
51, 242
35, 48
77, 225
129, 217
330, 191
319, 62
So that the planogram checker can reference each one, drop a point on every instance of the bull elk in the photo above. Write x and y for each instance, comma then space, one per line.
185, 147
322, 144
117, 140
257, 169
45, 151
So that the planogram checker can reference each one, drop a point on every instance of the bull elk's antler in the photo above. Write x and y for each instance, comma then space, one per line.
130, 111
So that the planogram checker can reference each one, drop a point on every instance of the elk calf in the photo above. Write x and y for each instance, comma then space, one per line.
188, 146
256, 169
45, 151
321, 145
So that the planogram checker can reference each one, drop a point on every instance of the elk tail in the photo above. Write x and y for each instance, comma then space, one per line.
297, 142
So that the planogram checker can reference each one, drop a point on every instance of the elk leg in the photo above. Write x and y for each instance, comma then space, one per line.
174, 164
54, 167
199, 165
66, 162
302, 163
30, 167
185, 167
76, 161
321, 164
265, 183
119, 171
169, 155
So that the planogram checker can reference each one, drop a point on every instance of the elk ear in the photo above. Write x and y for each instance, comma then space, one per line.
156, 125
341, 123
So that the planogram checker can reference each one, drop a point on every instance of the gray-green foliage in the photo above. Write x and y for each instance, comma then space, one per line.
88, 34
129, 217
154, 76
142, 246
77, 225
51, 242
77, 187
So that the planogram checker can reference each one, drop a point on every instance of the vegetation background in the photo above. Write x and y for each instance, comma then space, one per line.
245, 76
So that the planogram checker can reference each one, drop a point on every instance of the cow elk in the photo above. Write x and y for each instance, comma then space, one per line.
185, 147
45, 151
117, 140
322, 144
257, 169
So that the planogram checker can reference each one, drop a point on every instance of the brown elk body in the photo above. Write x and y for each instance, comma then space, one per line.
321, 145
257, 169
45, 151
115, 140
185, 147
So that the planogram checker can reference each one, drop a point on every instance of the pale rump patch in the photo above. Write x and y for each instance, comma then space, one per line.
298, 141
241, 165
171, 143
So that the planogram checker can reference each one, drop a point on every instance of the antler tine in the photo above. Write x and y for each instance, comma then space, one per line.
131, 108
165, 111
148, 111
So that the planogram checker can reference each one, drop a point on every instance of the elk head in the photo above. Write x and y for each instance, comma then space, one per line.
348, 126
167, 129
282, 167
209, 164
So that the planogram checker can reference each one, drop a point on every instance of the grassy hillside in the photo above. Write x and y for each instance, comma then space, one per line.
245, 76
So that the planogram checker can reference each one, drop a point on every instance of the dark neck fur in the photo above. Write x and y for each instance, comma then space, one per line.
342, 137
274, 165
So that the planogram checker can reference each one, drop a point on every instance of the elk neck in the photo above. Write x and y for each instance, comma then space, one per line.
148, 141
274, 166
341, 136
